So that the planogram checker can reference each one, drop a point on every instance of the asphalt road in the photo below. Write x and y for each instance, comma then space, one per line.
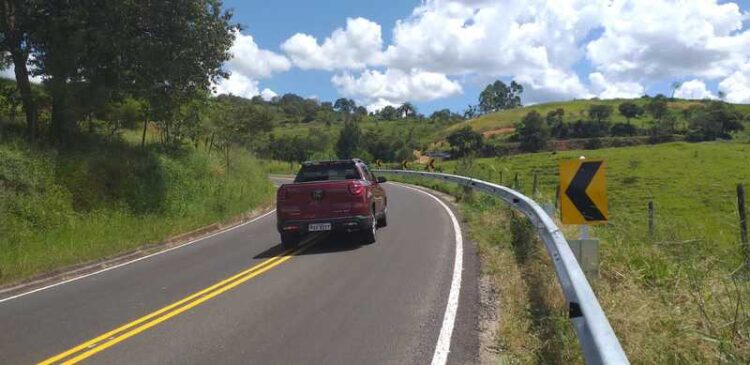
334, 301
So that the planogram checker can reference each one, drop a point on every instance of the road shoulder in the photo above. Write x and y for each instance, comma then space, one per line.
40, 282
465, 341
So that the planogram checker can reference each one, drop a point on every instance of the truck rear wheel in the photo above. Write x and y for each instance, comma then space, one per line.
369, 235
290, 240
383, 220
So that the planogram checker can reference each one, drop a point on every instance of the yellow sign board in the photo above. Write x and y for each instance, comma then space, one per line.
583, 192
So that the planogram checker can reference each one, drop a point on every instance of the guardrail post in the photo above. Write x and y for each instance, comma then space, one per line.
651, 225
743, 222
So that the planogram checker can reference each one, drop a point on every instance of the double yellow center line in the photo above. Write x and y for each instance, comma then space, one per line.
117, 335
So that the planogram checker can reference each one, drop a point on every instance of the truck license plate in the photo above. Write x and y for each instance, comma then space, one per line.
316, 227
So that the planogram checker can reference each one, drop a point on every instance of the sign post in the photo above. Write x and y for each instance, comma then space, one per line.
583, 201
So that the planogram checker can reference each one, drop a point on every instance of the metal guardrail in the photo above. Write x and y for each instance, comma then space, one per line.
599, 343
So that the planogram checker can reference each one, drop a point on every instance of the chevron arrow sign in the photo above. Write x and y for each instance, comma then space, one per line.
583, 192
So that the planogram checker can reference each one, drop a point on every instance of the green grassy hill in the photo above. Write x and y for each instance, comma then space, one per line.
575, 109
672, 297
496, 127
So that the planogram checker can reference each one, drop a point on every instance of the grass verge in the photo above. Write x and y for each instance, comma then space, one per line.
59, 209
674, 296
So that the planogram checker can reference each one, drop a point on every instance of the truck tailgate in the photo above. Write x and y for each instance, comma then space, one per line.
320, 199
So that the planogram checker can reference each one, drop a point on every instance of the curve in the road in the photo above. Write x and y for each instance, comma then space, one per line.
442, 349
395, 301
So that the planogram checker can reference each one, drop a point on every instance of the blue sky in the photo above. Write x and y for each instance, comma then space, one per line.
273, 22
443, 54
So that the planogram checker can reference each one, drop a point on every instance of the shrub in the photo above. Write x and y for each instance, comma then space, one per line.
533, 132
623, 130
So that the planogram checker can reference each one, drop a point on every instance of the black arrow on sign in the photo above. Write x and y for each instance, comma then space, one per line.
577, 191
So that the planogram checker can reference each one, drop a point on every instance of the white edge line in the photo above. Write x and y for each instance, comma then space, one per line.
136, 260
442, 349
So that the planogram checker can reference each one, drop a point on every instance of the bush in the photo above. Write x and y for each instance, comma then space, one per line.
589, 129
465, 141
593, 144
533, 132
623, 130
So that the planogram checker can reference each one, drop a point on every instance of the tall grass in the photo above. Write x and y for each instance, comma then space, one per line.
679, 296
65, 208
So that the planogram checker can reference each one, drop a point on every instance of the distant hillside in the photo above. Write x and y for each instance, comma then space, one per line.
502, 122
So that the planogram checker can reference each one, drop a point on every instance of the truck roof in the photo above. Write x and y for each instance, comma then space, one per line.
332, 162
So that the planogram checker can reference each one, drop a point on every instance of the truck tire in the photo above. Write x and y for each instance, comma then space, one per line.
289, 240
383, 220
369, 235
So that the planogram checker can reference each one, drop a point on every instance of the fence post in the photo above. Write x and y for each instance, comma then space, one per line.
743, 222
651, 226
501, 177
533, 186
557, 196
515, 181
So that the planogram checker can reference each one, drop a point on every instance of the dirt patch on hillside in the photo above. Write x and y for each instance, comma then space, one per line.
505, 130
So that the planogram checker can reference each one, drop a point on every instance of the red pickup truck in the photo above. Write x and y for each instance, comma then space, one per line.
331, 196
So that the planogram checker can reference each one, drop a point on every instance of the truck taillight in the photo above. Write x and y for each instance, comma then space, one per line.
356, 189
282, 194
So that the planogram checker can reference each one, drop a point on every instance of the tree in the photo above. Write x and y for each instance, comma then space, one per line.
657, 107
380, 146
630, 110
623, 130
675, 85
350, 139
360, 111
16, 21
499, 96
388, 113
161, 52
123, 114
464, 141
555, 121
345, 106
471, 111
407, 109
717, 120
441, 115
533, 133
326, 116
555, 117
236, 124
600, 113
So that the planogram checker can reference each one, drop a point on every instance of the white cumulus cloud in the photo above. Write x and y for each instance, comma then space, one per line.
394, 86
606, 89
248, 64
268, 94
693, 89
557, 50
354, 47
535, 42
736, 87
659, 39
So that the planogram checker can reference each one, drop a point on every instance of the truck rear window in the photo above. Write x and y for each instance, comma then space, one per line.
327, 172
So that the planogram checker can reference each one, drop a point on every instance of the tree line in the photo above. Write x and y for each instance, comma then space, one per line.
89, 67
705, 121
93, 57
